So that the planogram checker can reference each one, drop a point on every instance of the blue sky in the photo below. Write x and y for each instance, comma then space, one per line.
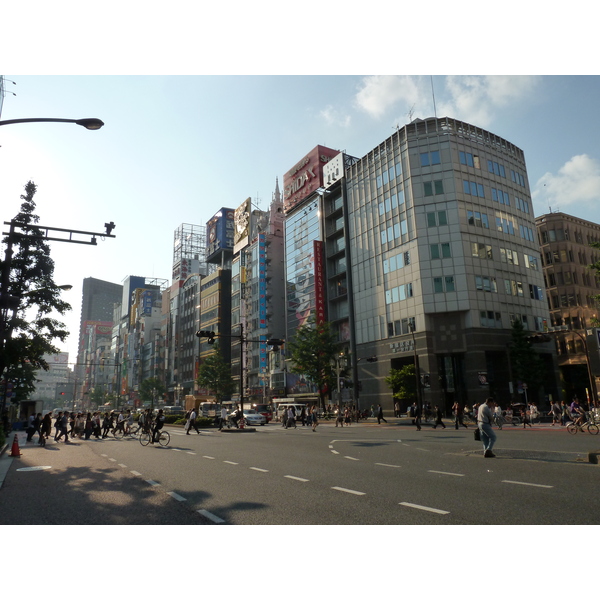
175, 149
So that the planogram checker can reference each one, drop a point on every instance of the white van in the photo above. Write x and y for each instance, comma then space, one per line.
283, 408
209, 410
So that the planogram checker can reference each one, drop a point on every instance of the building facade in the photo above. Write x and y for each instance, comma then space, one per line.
572, 289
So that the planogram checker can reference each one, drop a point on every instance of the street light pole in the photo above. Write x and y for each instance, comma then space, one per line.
91, 124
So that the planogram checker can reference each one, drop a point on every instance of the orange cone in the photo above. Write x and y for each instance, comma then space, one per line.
15, 447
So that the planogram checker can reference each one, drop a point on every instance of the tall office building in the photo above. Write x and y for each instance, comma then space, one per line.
430, 255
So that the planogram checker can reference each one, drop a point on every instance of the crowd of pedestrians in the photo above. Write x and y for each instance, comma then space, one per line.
81, 425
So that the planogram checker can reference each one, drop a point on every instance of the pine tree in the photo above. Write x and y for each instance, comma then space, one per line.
30, 329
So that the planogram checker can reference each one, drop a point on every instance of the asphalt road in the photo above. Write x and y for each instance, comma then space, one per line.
367, 474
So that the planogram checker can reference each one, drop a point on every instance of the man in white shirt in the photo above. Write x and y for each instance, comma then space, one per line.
223, 418
484, 422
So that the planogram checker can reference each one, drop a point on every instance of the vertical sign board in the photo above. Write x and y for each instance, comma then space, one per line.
262, 296
319, 283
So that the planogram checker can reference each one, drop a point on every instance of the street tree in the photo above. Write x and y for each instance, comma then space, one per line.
403, 383
214, 375
151, 390
314, 350
31, 298
526, 364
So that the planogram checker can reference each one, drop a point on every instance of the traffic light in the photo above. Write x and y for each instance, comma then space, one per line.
207, 334
275, 342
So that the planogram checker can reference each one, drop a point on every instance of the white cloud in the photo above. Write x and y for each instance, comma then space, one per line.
476, 99
380, 92
577, 182
333, 116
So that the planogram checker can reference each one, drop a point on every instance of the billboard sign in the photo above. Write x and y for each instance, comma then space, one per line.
219, 233
306, 176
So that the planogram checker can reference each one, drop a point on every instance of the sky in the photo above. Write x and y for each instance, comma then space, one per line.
175, 149
207, 104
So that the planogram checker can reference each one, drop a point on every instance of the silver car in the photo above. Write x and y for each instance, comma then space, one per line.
254, 418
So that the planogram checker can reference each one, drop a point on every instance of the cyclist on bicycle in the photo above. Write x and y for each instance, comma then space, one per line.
577, 412
158, 425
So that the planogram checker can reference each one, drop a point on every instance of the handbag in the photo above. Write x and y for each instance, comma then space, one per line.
477, 435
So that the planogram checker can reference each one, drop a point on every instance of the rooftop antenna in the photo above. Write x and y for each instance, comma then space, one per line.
433, 96
410, 113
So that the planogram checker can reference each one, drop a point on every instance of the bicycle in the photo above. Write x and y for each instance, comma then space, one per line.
591, 427
163, 439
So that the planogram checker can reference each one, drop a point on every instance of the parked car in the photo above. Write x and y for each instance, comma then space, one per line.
254, 418
266, 410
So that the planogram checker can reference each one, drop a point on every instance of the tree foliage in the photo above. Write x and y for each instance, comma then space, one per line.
403, 382
214, 374
31, 329
314, 350
151, 390
526, 364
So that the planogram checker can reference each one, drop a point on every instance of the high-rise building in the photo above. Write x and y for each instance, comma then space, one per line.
572, 289
430, 255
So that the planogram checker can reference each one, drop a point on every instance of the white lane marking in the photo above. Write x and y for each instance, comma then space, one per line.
257, 469
176, 496
295, 478
122, 465
44, 468
330, 446
351, 458
524, 483
113, 459
427, 508
384, 465
446, 473
210, 516
230, 462
209, 457
176, 449
135, 473
192, 453
152, 482
334, 452
423, 449
105, 455
341, 489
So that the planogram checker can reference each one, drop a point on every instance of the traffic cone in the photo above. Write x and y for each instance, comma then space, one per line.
15, 448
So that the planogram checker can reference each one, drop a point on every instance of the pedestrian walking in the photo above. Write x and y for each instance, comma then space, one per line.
34, 426
223, 418
380, 415
417, 421
192, 422
565, 414
88, 426
64, 427
438, 417
46, 428
556, 412
314, 418
484, 422
458, 415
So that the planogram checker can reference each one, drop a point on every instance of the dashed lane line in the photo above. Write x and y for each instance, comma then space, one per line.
296, 478
229, 462
351, 458
209, 457
386, 465
446, 473
525, 483
260, 470
210, 516
177, 496
122, 466
153, 483
135, 473
341, 489
427, 508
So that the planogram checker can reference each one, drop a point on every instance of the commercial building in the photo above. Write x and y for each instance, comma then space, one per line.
430, 255
572, 289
